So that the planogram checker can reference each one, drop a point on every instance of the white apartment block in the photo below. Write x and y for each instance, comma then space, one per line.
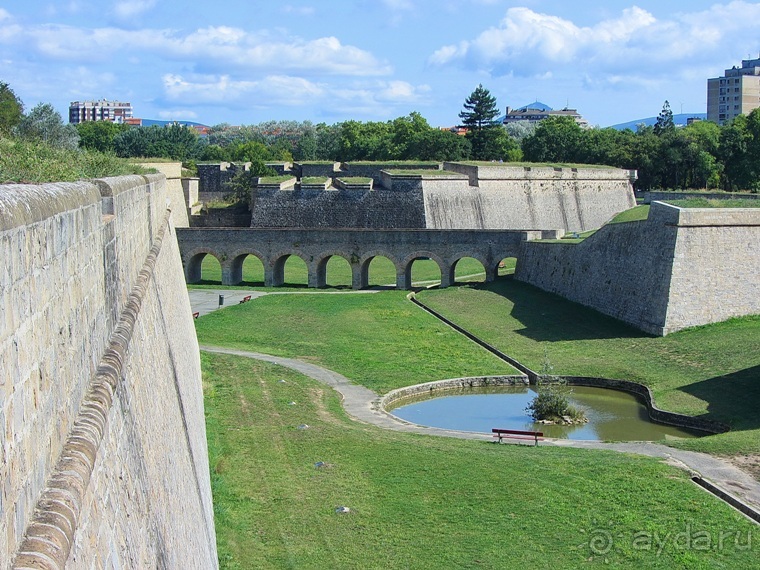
114, 111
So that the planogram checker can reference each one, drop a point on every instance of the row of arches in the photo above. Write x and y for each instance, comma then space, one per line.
337, 270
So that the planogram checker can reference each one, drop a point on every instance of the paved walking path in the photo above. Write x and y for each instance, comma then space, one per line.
364, 405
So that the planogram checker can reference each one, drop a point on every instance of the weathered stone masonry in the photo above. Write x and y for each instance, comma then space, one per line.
358, 247
104, 460
462, 196
679, 268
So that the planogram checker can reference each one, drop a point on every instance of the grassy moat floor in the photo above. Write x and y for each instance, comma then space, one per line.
428, 502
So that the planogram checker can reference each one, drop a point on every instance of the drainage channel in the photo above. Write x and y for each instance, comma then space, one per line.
490, 348
736, 503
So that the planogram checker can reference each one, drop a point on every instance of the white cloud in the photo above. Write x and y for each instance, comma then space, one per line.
203, 48
528, 43
399, 5
377, 97
299, 10
4, 15
130, 9
178, 115
273, 90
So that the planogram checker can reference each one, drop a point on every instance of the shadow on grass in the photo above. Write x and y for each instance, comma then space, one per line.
549, 317
733, 398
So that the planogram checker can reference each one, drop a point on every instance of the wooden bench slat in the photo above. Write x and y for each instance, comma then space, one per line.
518, 434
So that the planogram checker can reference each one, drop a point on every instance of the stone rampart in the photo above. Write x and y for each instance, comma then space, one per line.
101, 414
655, 196
463, 196
499, 196
179, 202
337, 208
677, 269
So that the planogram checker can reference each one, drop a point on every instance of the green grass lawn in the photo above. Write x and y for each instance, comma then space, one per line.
716, 203
425, 502
711, 371
382, 272
380, 340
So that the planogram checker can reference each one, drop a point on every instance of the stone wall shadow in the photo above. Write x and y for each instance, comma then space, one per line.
732, 398
549, 317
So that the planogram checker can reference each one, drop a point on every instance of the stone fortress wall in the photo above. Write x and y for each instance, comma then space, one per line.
451, 196
679, 268
104, 457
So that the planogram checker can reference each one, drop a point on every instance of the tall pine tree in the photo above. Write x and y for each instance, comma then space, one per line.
478, 116
664, 122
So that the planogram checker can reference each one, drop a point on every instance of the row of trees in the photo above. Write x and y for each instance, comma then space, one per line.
701, 155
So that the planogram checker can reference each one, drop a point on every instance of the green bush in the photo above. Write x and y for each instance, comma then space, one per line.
36, 161
552, 403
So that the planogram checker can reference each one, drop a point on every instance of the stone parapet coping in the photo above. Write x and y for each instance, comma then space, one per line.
26, 204
50, 534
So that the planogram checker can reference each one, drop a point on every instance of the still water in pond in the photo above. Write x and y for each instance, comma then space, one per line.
612, 415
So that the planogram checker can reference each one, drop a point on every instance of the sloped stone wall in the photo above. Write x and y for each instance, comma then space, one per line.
677, 269
104, 460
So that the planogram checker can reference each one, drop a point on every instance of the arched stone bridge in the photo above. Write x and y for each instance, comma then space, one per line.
357, 246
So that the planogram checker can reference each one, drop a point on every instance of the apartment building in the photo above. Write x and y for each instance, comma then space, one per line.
736, 92
114, 111
537, 111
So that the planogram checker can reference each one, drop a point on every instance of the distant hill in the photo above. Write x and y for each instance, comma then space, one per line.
679, 120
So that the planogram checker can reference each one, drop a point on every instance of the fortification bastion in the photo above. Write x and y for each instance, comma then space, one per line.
681, 267
429, 195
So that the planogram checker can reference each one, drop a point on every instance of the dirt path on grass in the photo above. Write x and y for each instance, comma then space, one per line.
363, 405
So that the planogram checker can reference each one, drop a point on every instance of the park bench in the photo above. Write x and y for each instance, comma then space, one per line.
196, 315
534, 436
245, 299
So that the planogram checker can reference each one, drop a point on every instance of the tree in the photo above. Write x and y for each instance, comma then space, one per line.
478, 116
44, 124
664, 122
480, 109
177, 142
99, 135
557, 139
11, 108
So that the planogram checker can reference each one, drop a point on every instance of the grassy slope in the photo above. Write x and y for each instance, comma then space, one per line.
424, 502
22, 161
379, 340
711, 371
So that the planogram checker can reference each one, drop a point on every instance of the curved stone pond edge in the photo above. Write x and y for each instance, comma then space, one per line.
640, 390
643, 394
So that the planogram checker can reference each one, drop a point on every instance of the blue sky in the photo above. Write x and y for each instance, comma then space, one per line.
331, 60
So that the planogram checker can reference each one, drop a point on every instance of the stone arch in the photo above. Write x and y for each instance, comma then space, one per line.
319, 266
364, 263
404, 280
274, 269
232, 268
193, 262
454, 259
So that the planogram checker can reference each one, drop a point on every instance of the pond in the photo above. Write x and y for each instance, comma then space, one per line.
613, 415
